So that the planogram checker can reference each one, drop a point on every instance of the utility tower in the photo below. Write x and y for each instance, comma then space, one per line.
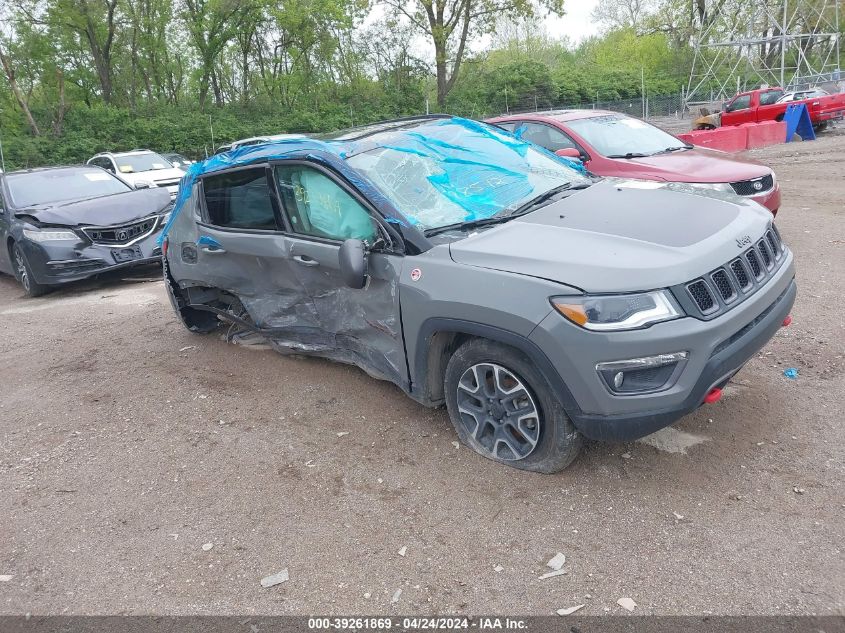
743, 44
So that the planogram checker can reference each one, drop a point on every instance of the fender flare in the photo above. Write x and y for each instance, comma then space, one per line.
435, 325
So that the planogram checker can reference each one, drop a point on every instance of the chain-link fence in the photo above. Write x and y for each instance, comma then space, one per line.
668, 111
644, 107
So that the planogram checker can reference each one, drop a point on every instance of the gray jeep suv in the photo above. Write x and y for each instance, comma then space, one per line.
473, 269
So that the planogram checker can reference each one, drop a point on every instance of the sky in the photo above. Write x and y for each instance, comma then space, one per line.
576, 22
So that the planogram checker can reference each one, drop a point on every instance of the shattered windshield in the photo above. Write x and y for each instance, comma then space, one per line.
456, 170
54, 186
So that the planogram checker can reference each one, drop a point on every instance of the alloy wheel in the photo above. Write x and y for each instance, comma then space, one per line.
498, 411
20, 265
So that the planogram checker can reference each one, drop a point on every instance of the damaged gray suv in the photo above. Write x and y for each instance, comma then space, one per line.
473, 269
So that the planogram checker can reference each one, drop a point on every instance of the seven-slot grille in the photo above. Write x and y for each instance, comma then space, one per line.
119, 235
720, 289
754, 186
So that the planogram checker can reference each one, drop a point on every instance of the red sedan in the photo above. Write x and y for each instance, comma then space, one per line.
613, 144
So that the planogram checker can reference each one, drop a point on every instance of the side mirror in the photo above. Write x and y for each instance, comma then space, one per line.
143, 184
569, 152
353, 263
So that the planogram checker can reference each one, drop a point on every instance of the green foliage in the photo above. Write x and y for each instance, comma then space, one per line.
121, 74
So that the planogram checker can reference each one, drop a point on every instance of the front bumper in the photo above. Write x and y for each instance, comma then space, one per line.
771, 199
66, 261
717, 350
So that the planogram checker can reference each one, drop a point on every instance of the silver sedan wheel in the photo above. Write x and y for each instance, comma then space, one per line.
20, 266
498, 411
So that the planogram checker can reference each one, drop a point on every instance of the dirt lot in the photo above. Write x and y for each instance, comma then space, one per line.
128, 443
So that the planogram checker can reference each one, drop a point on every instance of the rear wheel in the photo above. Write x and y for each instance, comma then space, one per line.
195, 321
504, 409
23, 273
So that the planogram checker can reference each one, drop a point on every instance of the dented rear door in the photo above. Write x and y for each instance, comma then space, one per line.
241, 248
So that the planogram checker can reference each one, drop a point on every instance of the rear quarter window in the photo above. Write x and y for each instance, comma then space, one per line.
240, 199
768, 98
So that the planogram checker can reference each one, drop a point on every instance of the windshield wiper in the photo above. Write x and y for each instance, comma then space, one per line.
628, 155
547, 197
674, 149
531, 205
471, 224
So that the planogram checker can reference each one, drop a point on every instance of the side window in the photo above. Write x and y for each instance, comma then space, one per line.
240, 199
545, 136
103, 162
509, 126
317, 206
740, 103
770, 97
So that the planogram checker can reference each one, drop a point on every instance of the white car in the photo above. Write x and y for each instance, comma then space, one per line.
800, 95
256, 140
141, 168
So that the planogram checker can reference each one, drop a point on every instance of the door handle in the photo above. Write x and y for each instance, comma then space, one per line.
304, 260
213, 250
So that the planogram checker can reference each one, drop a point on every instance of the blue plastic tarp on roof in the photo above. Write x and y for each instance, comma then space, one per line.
330, 153
478, 168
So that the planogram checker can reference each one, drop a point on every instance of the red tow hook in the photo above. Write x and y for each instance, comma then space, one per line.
787, 321
714, 395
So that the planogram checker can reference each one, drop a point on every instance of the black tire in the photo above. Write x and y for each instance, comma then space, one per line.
546, 441
23, 273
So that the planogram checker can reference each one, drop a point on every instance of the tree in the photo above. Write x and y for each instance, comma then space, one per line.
13, 84
620, 14
95, 23
211, 25
151, 58
449, 23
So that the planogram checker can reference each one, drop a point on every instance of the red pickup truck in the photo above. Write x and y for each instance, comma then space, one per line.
761, 105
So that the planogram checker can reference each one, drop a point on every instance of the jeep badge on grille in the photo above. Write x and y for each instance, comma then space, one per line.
745, 240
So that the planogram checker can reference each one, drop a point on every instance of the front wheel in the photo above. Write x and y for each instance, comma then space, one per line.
505, 410
23, 273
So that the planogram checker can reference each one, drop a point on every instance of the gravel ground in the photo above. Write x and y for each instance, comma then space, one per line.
128, 444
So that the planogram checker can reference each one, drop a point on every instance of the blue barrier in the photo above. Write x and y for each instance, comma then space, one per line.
798, 120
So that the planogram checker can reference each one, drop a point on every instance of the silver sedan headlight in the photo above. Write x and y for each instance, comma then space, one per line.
49, 236
713, 186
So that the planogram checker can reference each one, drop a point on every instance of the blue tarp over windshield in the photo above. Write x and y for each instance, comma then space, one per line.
478, 169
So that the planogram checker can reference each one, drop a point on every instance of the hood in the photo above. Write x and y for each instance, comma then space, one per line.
119, 208
611, 238
155, 175
699, 165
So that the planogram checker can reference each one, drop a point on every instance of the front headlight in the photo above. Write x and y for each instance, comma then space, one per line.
49, 236
713, 186
618, 312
